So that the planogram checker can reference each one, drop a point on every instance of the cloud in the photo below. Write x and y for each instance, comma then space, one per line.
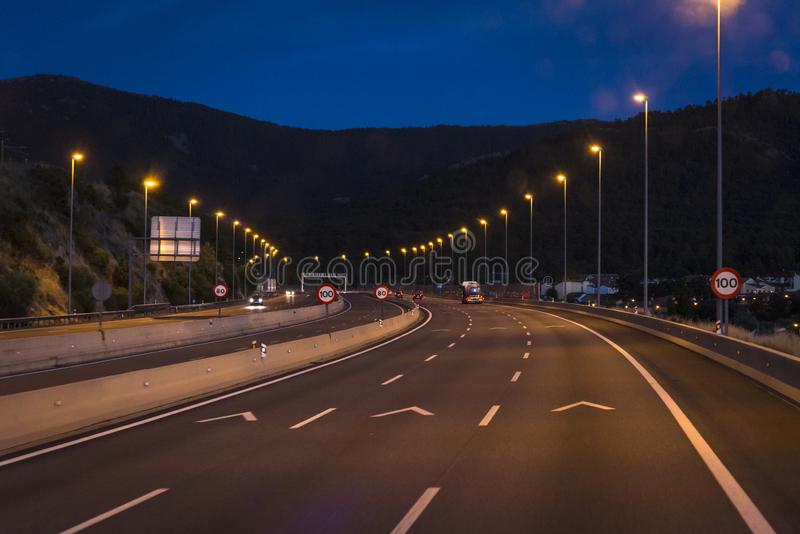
605, 102
563, 11
780, 61
704, 12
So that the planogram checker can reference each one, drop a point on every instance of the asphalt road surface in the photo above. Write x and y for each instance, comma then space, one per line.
279, 302
512, 420
362, 309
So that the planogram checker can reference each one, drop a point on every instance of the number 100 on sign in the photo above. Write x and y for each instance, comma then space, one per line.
726, 283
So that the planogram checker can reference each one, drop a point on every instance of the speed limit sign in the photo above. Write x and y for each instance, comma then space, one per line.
381, 292
326, 294
726, 283
220, 290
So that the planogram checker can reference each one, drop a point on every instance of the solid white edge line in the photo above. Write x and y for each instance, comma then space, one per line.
397, 377
90, 437
429, 358
413, 514
311, 419
121, 508
489, 415
451, 345
516, 376
526, 355
747, 509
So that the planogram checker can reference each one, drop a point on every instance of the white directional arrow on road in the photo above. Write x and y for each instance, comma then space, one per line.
248, 416
581, 403
415, 409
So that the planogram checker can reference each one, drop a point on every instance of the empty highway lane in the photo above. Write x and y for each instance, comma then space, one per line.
486, 418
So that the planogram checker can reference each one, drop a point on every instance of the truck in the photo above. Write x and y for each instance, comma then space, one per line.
471, 293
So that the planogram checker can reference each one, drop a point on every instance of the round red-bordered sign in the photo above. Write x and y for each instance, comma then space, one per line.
220, 290
381, 292
726, 283
326, 294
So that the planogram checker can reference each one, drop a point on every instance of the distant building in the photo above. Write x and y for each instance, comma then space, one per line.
756, 286
609, 284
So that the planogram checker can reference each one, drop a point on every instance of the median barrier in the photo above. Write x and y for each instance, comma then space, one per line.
48, 351
35, 416
772, 368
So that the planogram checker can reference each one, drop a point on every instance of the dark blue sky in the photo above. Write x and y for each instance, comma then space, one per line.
339, 64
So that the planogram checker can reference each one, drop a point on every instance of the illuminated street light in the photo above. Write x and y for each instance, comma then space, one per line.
562, 178
529, 198
192, 202
642, 99
233, 257
77, 156
599, 151
148, 184
485, 224
504, 213
218, 214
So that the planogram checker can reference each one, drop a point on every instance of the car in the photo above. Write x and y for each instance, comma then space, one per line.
289, 293
418, 295
399, 293
256, 299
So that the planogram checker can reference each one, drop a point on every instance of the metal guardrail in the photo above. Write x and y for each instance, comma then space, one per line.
147, 310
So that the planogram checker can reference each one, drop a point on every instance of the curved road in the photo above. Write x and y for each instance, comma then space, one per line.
361, 309
491, 439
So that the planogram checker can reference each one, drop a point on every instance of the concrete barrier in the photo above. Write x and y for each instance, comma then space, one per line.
774, 369
48, 351
32, 417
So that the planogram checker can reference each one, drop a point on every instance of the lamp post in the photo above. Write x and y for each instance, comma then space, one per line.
563, 179
722, 305
485, 224
233, 258
642, 98
504, 213
404, 252
466, 251
192, 202
529, 198
217, 216
148, 184
599, 151
244, 277
77, 156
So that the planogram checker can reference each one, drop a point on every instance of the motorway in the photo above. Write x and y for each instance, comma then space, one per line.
273, 303
361, 309
486, 418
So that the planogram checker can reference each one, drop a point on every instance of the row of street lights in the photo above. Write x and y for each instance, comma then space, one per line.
148, 184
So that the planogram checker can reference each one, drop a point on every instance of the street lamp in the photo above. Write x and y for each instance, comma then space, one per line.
344, 256
77, 156
218, 214
148, 184
246, 231
599, 151
192, 202
504, 213
722, 305
388, 252
563, 179
466, 250
529, 198
485, 224
642, 99
233, 258
404, 251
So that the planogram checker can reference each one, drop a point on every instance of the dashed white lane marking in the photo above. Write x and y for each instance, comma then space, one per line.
451, 345
413, 514
462, 335
529, 342
429, 358
527, 333
311, 419
468, 329
102, 517
526, 355
751, 515
516, 376
398, 377
489, 415
525, 327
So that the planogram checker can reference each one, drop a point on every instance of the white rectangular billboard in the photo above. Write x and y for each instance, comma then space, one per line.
175, 239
